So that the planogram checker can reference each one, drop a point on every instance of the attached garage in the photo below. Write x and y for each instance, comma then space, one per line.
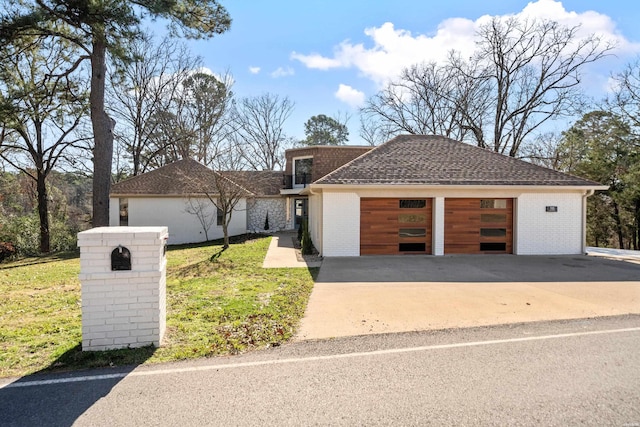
478, 226
395, 226
425, 194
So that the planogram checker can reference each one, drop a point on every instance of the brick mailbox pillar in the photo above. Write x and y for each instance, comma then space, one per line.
123, 278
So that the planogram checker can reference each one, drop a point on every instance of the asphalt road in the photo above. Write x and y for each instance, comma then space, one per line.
579, 372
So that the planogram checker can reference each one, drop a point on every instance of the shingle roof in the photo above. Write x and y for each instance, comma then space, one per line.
175, 179
191, 177
260, 183
436, 160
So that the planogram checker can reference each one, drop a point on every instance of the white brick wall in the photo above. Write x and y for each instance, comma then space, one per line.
548, 233
123, 308
341, 224
438, 225
315, 220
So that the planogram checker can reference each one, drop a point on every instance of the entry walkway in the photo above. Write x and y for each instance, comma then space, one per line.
282, 254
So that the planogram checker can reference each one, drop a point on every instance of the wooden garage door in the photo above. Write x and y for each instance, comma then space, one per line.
395, 226
478, 226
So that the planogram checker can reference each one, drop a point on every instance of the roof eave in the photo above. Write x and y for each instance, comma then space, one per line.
314, 187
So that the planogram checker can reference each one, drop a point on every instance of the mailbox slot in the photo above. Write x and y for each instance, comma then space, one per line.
120, 259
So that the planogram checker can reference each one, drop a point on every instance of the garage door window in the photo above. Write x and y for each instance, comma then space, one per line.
493, 232
412, 204
493, 246
493, 204
412, 247
413, 232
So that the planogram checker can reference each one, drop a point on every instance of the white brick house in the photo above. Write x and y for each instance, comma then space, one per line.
415, 194
178, 196
432, 195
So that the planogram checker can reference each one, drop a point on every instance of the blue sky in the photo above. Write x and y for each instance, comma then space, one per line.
327, 56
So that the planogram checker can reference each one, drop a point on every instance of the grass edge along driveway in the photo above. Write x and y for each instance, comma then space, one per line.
218, 303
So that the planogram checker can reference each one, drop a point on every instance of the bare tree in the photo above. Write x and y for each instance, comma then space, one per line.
219, 202
41, 108
202, 209
259, 130
523, 73
99, 29
545, 151
195, 124
534, 71
142, 88
422, 101
626, 94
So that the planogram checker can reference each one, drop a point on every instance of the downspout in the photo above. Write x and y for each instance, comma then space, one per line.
584, 219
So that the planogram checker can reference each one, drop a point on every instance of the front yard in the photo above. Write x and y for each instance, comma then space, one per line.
218, 303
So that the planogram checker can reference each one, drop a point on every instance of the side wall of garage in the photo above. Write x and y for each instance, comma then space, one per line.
539, 232
315, 220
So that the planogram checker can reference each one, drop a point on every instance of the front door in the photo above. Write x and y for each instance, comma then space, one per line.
301, 211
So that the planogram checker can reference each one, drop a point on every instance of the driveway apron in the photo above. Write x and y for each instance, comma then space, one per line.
382, 294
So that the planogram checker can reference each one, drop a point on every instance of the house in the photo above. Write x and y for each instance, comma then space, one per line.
177, 196
306, 165
418, 194
415, 194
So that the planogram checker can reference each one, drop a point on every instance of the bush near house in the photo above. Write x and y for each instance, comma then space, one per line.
219, 302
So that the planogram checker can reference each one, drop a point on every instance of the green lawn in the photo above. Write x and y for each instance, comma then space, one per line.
218, 303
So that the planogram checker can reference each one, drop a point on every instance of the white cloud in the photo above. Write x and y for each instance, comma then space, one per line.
282, 72
350, 96
394, 49
254, 70
315, 60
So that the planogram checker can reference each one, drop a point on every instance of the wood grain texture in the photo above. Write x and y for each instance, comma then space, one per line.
462, 226
380, 227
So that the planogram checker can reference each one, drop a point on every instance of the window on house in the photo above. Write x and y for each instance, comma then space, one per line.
302, 170
124, 212
219, 216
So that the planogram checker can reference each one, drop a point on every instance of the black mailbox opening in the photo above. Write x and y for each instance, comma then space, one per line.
120, 259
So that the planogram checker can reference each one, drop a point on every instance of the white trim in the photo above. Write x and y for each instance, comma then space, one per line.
434, 187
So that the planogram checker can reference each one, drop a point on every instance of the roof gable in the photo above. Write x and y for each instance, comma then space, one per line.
437, 160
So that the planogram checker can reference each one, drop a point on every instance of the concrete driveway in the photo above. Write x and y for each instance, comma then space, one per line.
380, 294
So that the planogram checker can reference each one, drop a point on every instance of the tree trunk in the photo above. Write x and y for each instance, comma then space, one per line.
43, 213
616, 217
225, 231
102, 133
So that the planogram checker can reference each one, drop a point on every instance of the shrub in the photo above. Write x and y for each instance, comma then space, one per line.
6, 250
306, 243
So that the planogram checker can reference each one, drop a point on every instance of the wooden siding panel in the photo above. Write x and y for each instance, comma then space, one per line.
379, 226
462, 226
